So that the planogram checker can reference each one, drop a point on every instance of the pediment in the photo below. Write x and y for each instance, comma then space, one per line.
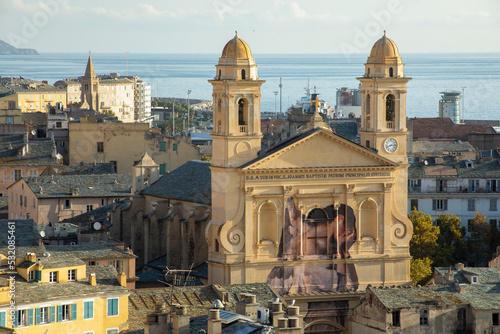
319, 149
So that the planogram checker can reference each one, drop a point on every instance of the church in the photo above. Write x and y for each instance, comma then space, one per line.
318, 217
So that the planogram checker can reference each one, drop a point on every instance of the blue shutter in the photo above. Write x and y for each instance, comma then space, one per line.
73, 311
110, 307
88, 310
37, 316
59, 313
30, 317
2, 319
163, 168
115, 306
91, 309
52, 314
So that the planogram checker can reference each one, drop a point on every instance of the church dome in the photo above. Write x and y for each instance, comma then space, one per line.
237, 49
384, 47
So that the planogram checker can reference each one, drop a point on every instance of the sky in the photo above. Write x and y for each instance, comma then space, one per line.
268, 26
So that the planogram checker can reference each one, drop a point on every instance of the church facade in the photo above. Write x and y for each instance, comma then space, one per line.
316, 215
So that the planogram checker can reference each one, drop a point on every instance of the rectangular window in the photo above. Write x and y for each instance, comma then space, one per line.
92, 263
100, 146
415, 185
17, 174
90, 208
469, 223
72, 275
493, 204
88, 309
471, 204
396, 319
10, 120
103, 201
67, 204
163, 146
112, 331
118, 264
33, 172
175, 146
163, 168
495, 320
66, 312
22, 318
21, 200
493, 223
53, 276
424, 317
112, 306
473, 186
58, 125
439, 204
43, 315
5, 175
31, 275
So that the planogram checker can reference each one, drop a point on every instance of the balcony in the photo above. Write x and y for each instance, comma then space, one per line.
390, 124
243, 128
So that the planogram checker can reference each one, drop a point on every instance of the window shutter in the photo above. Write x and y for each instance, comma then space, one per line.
38, 275
14, 319
59, 313
115, 306
37, 316
30, 317
12, 175
162, 146
73, 311
175, 146
52, 314
163, 168
445, 204
419, 182
434, 204
110, 307
2, 319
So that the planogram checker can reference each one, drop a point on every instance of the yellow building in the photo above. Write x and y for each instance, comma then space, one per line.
73, 90
33, 97
316, 214
55, 295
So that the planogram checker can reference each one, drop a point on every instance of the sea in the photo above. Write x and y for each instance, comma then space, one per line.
173, 75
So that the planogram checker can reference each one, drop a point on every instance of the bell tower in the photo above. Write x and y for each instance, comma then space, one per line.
236, 104
383, 111
90, 86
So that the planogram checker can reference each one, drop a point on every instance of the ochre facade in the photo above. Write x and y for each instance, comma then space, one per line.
317, 213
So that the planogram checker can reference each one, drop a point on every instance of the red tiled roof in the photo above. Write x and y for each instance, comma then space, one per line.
445, 128
267, 125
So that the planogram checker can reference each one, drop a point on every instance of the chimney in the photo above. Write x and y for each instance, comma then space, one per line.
248, 306
459, 266
122, 279
157, 322
294, 313
214, 324
180, 320
276, 312
449, 276
92, 279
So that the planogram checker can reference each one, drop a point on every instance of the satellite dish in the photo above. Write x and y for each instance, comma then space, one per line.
33, 132
59, 156
42, 233
97, 226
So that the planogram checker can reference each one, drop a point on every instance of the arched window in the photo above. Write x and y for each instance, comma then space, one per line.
216, 245
219, 74
316, 233
368, 73
267, 222
389, 110
219, 116
242, 74
368, 104
368, 220
391, 72
241, 112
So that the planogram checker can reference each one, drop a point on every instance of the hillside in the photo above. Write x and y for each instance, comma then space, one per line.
7, 49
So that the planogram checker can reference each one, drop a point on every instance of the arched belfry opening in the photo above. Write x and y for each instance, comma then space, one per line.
317, 233
243, 75
390, 103
368, 110
242, 107
391, 72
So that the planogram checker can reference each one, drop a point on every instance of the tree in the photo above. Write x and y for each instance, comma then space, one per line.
420, 270
480, 241
451, 243
423, 243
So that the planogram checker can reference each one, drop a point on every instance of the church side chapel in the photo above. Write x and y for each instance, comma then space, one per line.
317, 217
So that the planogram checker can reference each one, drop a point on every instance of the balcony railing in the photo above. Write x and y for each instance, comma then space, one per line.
390, 124
450, 190
243, 128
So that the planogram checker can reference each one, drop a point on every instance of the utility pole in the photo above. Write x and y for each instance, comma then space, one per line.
281, 95
189, 92
463, 104
275, 103
173, 119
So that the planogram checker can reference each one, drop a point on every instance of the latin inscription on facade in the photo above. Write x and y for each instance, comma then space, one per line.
314, 176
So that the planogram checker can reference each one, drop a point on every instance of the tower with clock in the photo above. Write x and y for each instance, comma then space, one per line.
383, 112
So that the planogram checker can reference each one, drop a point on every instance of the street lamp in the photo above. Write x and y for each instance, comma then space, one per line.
275, 102
189, 92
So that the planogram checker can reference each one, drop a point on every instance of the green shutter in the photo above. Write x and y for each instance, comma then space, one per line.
163, 168
52, 314
175, 146
30, 317
115, 306
110, 307
2, 319
38, 275
73, 311
14, 319
163, 146
91, 309
59, 313
37, 316
88, 310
